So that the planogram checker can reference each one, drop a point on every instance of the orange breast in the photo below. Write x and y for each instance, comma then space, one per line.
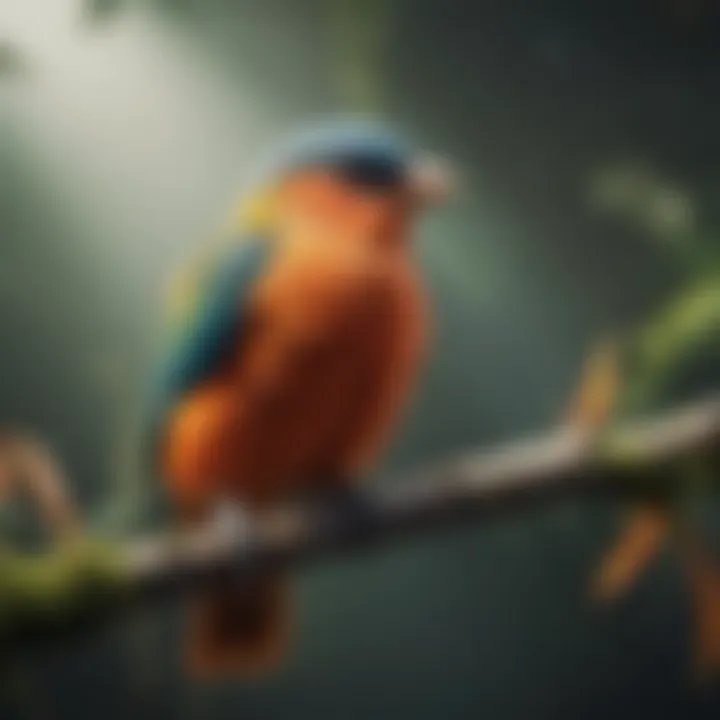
333, 343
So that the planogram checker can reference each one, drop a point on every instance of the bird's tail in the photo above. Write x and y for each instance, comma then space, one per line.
239, 630
648, 527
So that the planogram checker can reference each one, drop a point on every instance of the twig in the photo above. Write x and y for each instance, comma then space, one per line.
28, 467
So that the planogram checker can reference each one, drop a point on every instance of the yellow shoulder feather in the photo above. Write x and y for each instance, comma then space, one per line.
251, 216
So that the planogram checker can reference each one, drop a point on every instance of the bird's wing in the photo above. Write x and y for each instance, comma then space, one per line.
215, 323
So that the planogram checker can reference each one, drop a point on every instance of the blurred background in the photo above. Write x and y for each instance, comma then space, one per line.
586, 137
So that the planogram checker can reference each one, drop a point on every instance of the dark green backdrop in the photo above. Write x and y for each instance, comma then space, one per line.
124, 140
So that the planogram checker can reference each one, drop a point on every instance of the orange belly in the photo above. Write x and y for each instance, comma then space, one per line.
333, 342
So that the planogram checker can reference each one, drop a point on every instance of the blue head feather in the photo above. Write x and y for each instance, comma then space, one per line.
366, 150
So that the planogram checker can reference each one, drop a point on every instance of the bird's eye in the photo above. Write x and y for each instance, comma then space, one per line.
371, 174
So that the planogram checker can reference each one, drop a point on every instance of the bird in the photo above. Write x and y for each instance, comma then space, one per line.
296, 347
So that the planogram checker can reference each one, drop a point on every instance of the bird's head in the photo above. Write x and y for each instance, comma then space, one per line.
353, 174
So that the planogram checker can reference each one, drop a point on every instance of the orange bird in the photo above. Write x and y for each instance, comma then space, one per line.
300, 348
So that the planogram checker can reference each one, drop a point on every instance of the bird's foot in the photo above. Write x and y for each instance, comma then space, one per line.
342, 508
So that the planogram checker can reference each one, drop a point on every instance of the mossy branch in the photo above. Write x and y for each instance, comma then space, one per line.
88, 580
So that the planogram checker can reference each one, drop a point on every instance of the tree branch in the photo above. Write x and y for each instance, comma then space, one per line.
640, 460
634, 460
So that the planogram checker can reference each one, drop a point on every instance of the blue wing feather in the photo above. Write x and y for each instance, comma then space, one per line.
215, 327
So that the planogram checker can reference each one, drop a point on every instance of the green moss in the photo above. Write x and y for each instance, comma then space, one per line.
44, 592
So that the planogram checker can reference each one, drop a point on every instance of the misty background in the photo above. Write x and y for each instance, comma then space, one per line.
127, 130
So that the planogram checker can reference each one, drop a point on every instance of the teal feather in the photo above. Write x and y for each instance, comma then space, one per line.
213, 330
